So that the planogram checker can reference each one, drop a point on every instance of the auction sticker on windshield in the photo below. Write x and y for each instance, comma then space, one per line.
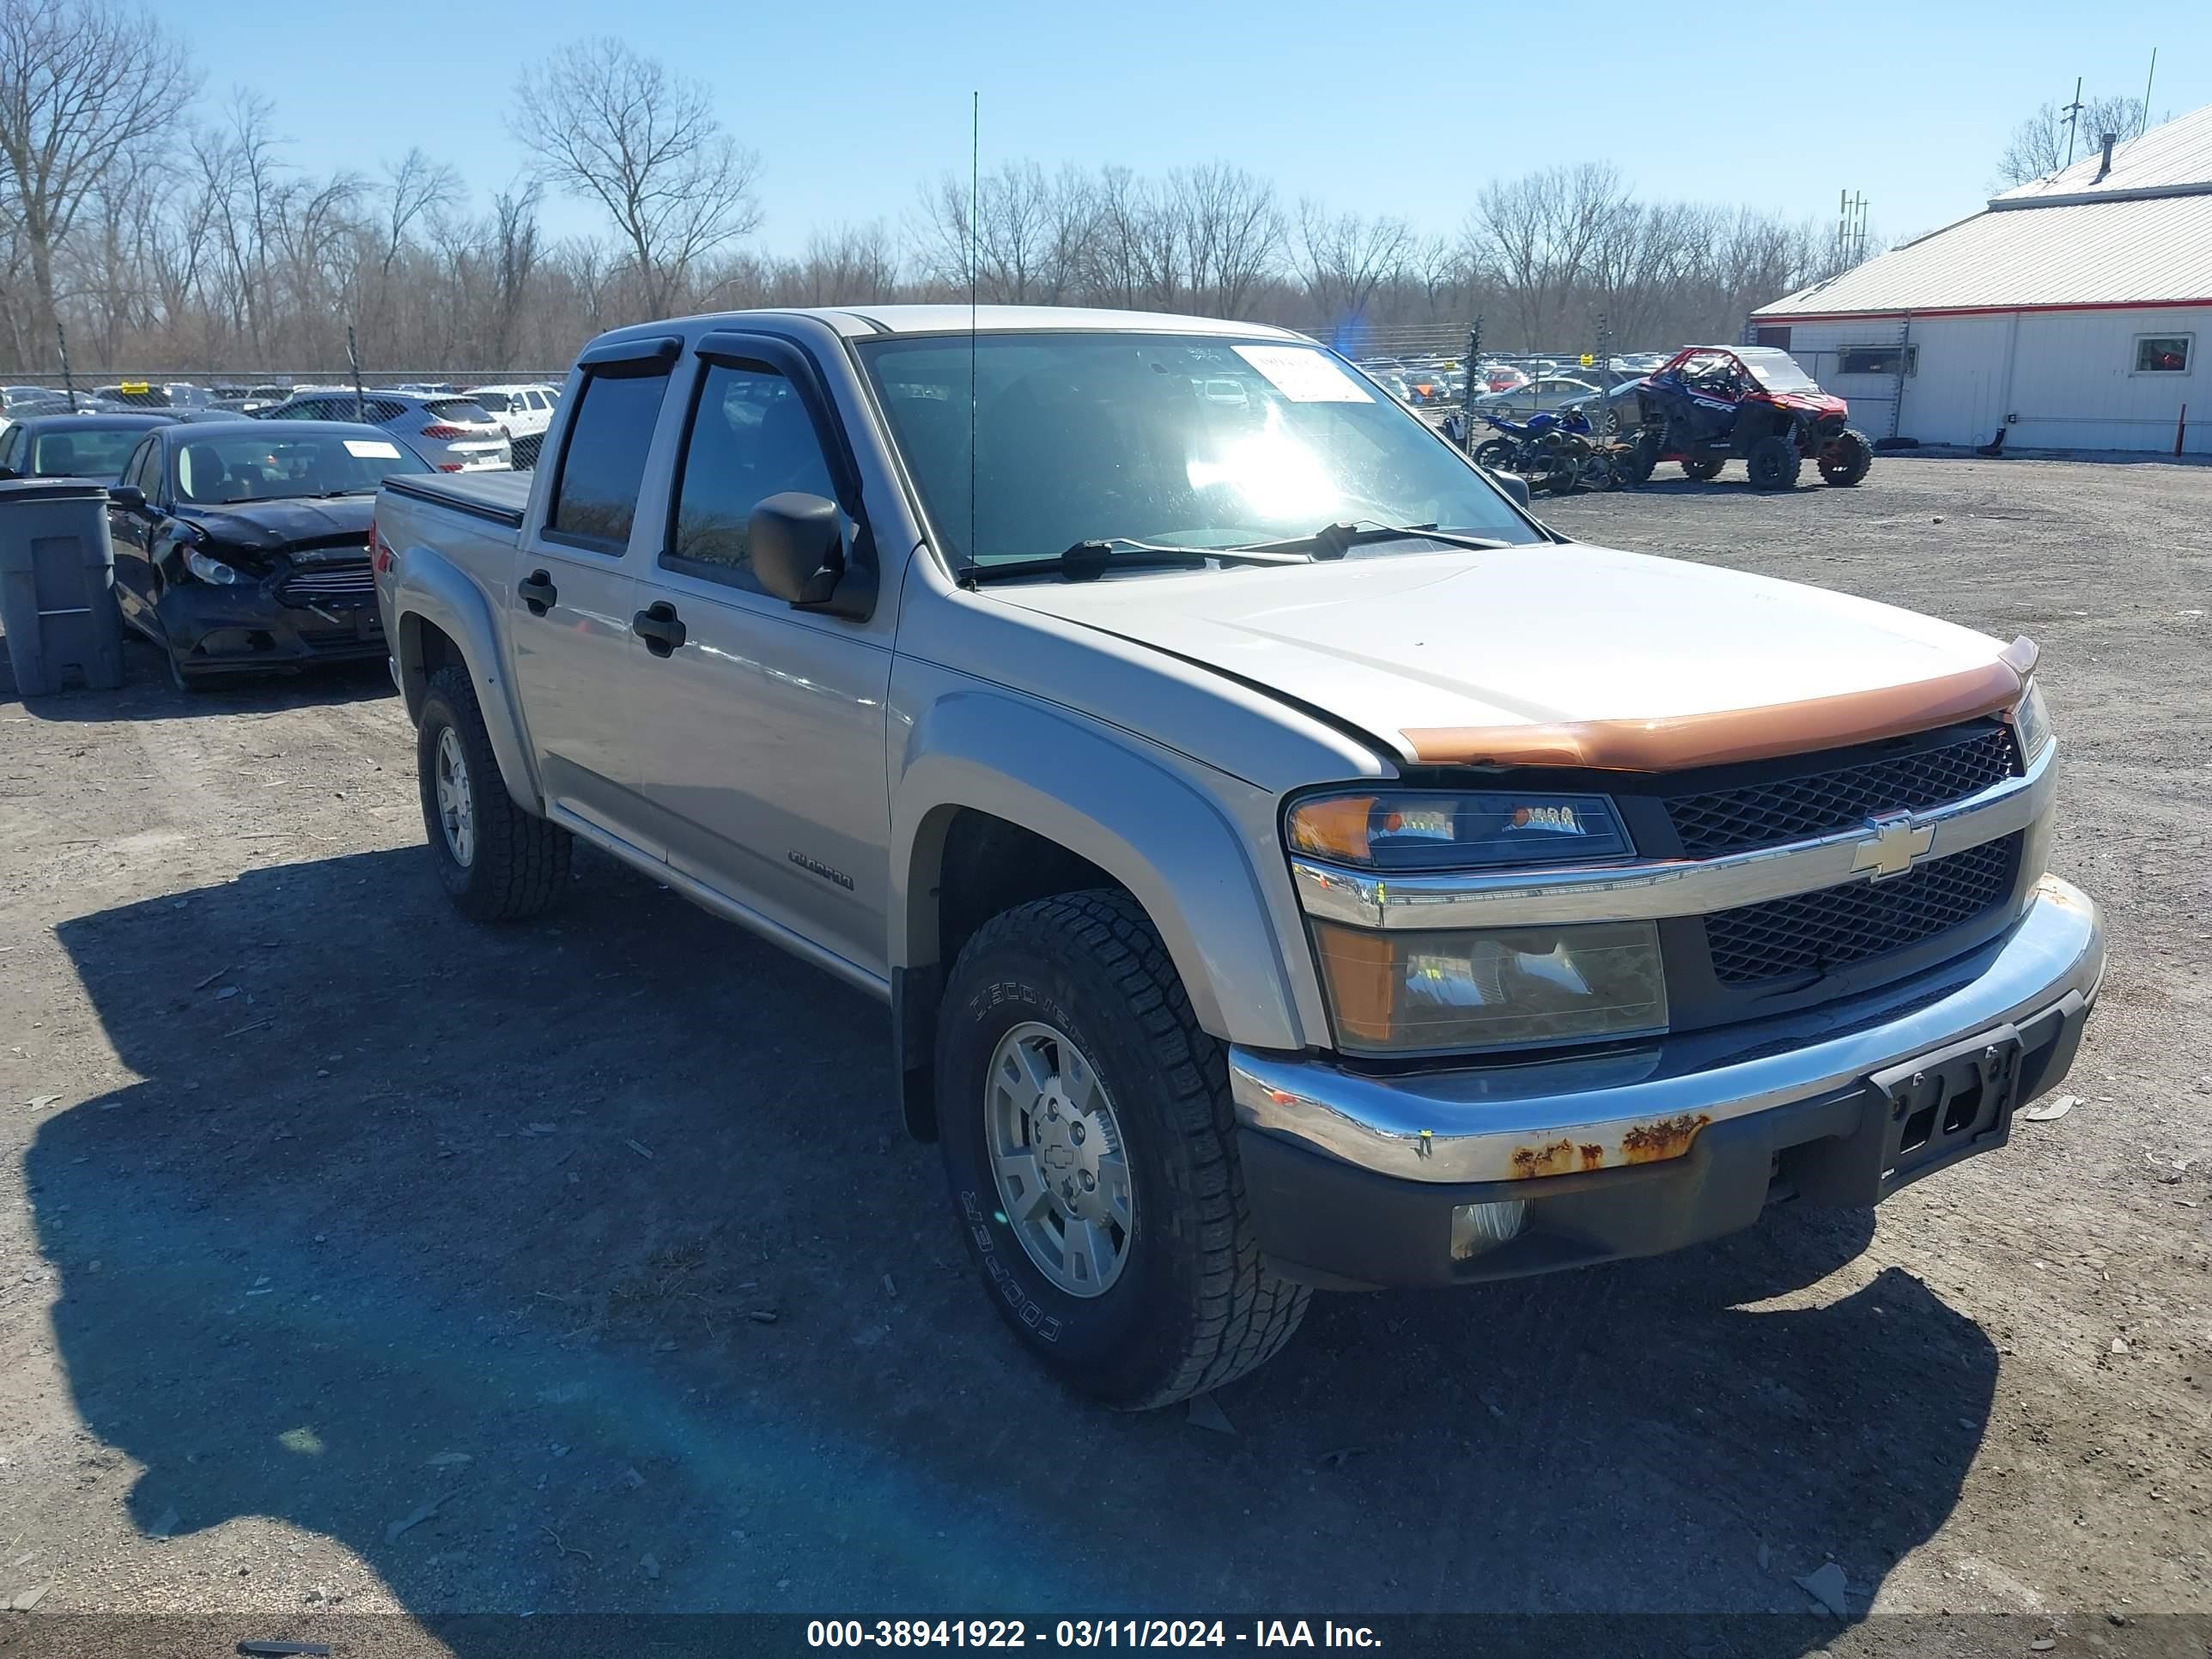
372, 449
1304, 375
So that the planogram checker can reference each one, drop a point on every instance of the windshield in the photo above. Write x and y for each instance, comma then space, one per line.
1777, 371
84, 453
1177, 441
281, 466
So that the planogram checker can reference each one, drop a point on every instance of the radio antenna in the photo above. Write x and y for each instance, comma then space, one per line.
974, 233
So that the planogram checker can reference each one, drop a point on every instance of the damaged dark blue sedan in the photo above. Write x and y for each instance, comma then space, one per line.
244, 545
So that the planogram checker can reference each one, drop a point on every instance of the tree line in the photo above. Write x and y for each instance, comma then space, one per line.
167, 237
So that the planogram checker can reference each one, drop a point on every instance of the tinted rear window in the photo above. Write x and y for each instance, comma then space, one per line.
461, 410
498, 401
604, 462
84, 453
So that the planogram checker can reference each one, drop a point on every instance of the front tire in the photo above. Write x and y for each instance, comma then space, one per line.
1703, 467
495, 862
1846, 458
1089, 1141
1773, 463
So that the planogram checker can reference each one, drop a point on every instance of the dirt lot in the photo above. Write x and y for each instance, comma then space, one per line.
354, 1258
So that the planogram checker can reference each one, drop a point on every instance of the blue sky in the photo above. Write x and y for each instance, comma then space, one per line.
852, 105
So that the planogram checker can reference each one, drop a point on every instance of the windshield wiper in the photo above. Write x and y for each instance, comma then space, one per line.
1088, 561
1331, 540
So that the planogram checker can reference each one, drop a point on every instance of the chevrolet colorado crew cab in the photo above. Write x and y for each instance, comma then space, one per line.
1288, 863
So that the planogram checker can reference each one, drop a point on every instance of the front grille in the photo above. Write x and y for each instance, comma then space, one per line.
1819, 932
1790, 809
322, 584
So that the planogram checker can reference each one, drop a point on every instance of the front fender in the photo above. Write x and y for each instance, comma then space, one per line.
1134, 810
432, 591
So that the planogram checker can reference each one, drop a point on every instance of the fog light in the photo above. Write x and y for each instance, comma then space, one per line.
1480, 1228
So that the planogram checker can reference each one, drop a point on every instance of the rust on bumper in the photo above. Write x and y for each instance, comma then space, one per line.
1637, 1143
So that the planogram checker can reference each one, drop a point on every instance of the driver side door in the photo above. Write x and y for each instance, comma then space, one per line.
761, 729
132, 532
1710, 399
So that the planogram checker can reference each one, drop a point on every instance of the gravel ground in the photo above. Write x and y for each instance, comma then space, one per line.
357, 1260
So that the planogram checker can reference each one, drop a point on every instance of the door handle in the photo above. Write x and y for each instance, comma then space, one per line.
537, 591
660, 627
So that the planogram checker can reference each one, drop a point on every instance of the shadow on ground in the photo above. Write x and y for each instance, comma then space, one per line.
510, 1258
146, 695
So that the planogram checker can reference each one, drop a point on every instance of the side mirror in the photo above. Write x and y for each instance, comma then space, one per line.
129, 497
1512, 483
796, 547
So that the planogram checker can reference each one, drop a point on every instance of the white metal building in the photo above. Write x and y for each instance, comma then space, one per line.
2072, 312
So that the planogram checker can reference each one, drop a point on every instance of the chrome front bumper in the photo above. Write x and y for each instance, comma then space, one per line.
1648, 1104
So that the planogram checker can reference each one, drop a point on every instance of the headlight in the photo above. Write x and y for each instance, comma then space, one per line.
1443, 831
1415, 992
210, 570
2031, 723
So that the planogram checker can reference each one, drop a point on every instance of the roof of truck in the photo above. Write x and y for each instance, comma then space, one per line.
859, 322
990, 319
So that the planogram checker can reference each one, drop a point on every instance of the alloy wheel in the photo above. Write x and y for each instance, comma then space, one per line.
1058, 1159
457, 807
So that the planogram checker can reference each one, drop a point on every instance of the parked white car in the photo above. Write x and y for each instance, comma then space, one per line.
525, 411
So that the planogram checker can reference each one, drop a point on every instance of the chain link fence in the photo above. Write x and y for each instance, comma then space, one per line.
212, 394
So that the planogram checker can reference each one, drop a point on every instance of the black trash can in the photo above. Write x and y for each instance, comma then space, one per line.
57, 584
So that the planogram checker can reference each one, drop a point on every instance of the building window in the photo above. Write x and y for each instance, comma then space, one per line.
1770, 336
2163, 353
1889, 360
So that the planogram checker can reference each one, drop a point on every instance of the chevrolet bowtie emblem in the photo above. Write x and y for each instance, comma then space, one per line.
1896, 843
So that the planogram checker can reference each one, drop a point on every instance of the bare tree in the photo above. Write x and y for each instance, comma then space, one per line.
1343, 258
847, 265
1233, 233
610, 126
2040, 144
1532, 234
1636, 261
82, 83
515, 251
1114, 263
414, 186
592, 275
239, 174
1015, 241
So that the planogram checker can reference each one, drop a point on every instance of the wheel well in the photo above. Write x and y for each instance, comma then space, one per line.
425, 648
1761, 421
987, 864
990, 865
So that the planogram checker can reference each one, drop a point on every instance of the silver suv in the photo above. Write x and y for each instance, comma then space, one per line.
454, 434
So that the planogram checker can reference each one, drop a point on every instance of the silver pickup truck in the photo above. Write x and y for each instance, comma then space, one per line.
1288, 863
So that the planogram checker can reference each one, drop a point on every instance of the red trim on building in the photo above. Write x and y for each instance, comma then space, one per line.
1787, 317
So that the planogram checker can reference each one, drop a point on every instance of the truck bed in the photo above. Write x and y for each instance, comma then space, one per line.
497, 496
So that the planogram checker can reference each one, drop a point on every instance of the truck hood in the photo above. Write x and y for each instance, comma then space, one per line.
1559, 655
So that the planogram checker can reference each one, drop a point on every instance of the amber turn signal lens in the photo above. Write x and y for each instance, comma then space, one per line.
1334, 827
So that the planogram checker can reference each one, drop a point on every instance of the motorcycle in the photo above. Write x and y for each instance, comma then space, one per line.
1557, 452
